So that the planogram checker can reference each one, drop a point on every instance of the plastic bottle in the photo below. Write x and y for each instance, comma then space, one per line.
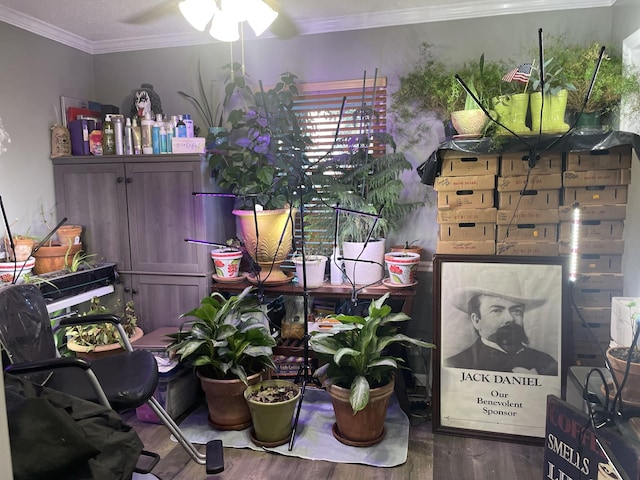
169, 126
163, 138
155, 138
186, 118
108, 136
181, 127
118, 128
336, 267
137, 137
128, 137
146, 124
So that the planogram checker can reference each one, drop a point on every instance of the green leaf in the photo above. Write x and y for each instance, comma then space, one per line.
359, 394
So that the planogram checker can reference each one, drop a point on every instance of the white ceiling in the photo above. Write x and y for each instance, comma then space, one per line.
101, 26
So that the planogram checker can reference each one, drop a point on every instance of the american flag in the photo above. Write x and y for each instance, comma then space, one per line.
519, 74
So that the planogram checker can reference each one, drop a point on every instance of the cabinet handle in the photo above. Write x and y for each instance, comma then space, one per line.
134, 291
127, 289
128, 180
119, 179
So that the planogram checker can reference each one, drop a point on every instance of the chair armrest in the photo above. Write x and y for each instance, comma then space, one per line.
58, 363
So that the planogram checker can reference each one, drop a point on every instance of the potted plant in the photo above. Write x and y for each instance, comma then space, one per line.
612, 83
263, 164
555, 89
229, 345
272, 405
359, 370
102, 339
625, 363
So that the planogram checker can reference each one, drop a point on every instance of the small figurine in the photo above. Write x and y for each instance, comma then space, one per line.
145, 100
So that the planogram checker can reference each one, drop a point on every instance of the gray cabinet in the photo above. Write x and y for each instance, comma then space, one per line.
137, 211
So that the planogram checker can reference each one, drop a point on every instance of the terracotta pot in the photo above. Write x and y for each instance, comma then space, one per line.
272, 422
93, 353
269, 244
52, 258
23, 248
228, 410
631, 389
366, 427
69, 234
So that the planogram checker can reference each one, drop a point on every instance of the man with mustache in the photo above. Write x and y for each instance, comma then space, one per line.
497, 315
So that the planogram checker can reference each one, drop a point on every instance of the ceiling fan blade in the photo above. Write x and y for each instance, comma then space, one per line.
283, 26
151, 14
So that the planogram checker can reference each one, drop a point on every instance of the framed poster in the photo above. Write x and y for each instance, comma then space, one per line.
499, 332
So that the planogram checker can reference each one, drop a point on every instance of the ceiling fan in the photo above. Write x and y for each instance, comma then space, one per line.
282, 26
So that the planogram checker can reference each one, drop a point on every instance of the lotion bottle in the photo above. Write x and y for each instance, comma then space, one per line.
137, 137
146, 124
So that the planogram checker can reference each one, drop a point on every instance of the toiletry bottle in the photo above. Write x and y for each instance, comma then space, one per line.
108, 136
181, 127
146, 124
155, 137
137, 137
186, 118
163, 138
128, 137
118, 129
169, 128
336, 267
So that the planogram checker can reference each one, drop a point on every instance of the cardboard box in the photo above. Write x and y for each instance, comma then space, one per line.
546, 232
518, 164
593, 229
461, 215
534, 249
601, 281
593, 297
594, 263
608, 159
588, 246
456, 163
599, 195
532, 182
593, 315
466, 199
596, 177
591, 332
530, 200
471, 182
506, 217
467, 247
588, 353
468, 231
594, 212
623, 310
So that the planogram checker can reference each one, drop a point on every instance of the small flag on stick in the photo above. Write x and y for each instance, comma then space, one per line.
519, 74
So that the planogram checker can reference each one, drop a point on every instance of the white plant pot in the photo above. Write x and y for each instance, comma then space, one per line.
314, 266
20, 268
226, 261
402, 267
369, 267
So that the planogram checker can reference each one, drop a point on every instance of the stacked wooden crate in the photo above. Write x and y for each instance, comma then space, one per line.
528, 201
466, 203
596, 184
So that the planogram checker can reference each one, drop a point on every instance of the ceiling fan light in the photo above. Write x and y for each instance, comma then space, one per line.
261, 16
237, 9
224, 28
198, 12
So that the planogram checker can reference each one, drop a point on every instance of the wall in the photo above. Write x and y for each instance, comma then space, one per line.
35, 72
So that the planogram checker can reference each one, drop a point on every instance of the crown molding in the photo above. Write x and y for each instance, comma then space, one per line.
426, 14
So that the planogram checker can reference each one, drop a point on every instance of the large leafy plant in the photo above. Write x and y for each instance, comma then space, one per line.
263, 160
355, 353
93, 335
227, 339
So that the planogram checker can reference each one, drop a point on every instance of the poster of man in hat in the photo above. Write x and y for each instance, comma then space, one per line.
499, 342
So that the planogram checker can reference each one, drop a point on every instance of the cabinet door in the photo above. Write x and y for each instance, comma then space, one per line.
159, 300
162, 213
94, 196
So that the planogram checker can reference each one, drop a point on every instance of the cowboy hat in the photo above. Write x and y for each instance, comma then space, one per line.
502, 284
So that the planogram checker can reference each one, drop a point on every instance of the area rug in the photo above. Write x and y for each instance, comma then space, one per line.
314, 440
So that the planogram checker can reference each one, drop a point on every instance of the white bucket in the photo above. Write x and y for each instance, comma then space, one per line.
314, 266
370, 267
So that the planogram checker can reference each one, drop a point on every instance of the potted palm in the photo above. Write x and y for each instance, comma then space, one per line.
359, 371
229, 345
262, 162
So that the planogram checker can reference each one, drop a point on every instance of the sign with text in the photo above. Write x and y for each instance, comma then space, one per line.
499, 333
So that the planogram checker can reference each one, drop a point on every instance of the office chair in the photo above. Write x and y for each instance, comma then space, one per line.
120, 382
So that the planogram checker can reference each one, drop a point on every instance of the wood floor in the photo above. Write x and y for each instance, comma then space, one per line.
438, 457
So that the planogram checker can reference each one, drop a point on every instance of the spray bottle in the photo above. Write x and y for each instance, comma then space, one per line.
128, 137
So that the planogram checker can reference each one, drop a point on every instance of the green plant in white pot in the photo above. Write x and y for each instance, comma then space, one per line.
229, 345
360, 371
